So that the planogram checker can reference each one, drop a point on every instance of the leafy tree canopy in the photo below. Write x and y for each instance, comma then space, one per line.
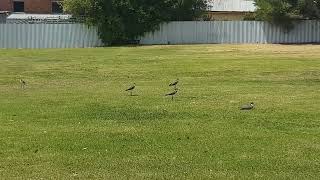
283, 12
122, 20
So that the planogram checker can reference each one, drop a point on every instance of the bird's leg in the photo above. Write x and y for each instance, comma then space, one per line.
172, 98
130, 93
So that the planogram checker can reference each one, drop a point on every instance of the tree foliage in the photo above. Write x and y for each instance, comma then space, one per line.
122, 20
309, 8
284, 12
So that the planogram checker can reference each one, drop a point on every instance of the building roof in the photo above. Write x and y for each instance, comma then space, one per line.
38, 16
4, 12
22, 18
232, 6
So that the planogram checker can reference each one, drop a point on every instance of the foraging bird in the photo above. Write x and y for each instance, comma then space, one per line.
23, 83
131, 88
174, 84
172, 94
247, 106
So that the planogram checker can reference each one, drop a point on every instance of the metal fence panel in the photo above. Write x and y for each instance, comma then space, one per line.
197, 32
180, 32
48, 36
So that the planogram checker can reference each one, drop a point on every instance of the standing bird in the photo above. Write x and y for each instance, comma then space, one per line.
172, 94
247, 106
174, 83
131, 88
23, 83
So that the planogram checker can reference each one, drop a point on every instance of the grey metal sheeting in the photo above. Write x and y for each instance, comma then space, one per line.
207, 32
182, 32
48, 36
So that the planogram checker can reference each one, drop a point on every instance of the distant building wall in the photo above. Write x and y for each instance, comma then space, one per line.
38, 6
230, 10
232, 6
5, 5
30, 6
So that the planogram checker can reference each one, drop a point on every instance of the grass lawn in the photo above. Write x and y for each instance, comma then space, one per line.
75, 121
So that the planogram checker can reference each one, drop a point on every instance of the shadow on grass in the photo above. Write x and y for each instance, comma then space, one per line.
133, 95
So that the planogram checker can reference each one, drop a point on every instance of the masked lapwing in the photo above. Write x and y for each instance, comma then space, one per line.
131, 88
247, 106
174, 83
23, 83
172, 94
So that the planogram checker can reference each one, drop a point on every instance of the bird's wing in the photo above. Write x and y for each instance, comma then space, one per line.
173, 83
130, 88
173, 93
245, 107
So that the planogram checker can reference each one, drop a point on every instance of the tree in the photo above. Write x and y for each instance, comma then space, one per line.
123, 20
284, 12
310, 9
188, 10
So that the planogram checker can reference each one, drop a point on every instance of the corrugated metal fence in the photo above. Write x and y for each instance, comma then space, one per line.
195, 32
48, 36
189, 32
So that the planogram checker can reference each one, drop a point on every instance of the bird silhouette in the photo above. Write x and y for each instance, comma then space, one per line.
247, 106
172, 94
174, 83
131, 88
23, 83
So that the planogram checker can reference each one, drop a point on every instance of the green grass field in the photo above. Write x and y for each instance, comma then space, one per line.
75, 121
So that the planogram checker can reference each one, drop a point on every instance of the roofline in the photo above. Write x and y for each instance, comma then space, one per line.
233, 11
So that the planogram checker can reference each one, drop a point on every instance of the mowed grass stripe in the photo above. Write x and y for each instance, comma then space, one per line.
74, 119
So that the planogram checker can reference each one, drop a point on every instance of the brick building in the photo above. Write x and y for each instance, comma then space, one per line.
32, 6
